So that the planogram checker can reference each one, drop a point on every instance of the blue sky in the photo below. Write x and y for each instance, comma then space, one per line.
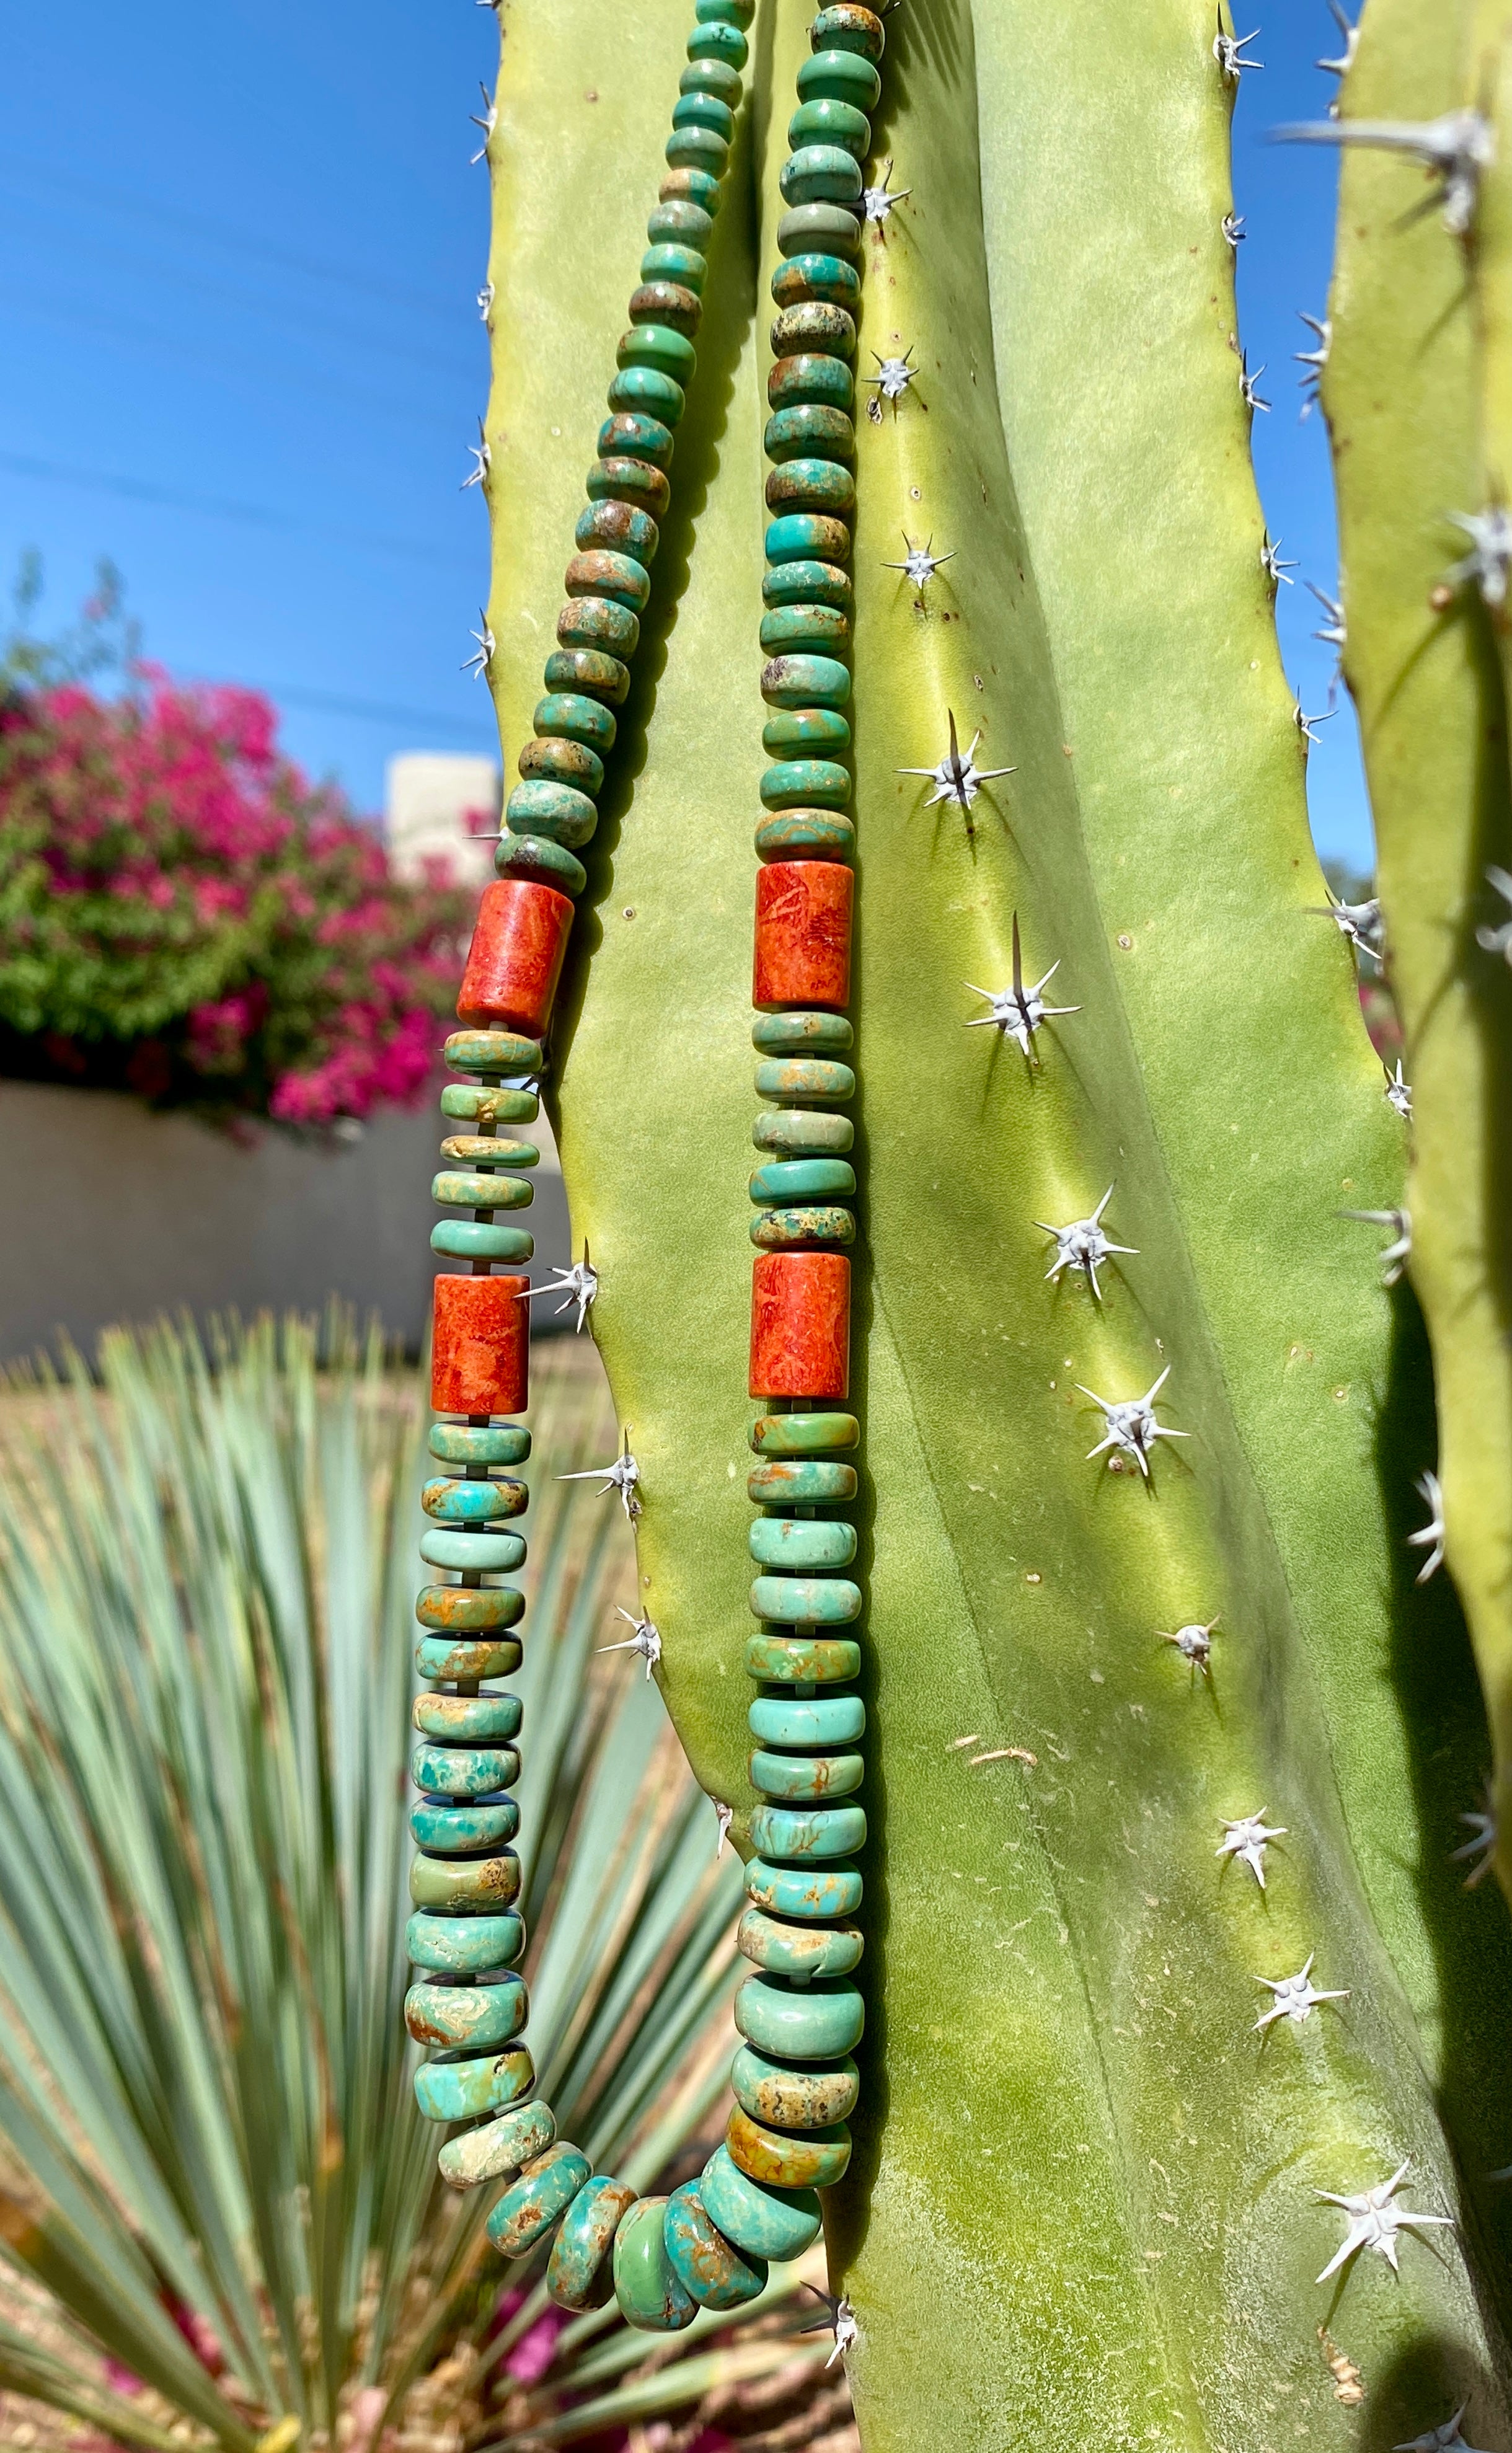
241, 248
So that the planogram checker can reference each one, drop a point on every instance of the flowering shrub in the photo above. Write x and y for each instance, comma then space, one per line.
183, 914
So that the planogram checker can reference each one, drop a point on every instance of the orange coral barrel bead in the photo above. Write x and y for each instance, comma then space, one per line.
802, 933
514, 961
800, 1324
480, 1349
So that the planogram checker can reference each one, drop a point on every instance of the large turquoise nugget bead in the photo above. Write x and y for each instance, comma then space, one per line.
778, 2224
710, 2268
816, 2022
647, 2283
783, 1832
459, 2090
805, 1601
543, 2191
580, 2273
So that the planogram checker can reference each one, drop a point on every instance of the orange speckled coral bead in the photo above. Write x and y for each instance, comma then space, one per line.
802, 933
800, 1324
480, 1361
515, 959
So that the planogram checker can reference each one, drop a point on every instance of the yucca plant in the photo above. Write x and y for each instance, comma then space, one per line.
217, 2199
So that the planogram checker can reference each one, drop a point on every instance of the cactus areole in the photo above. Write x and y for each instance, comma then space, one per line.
1077, 1672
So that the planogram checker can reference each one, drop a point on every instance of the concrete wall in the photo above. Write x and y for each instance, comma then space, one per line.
110, 1213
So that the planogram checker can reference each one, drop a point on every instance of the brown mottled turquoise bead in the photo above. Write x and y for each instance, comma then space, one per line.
580, 2273
544, 2191
805, 1950
809, 1078
636, 434
469, 1720
805, 834
806, 537
630, 481
519, 2136
709, 2268
492, 1052
788, 630
804, 1434
802, 1230
467, 2018
794, 2099
801, 1482
472, 1502
810, 380
647, 2283
668, 304
562, 762
824, 486
600, 625
807, 2158
617, 577
813, 428
814, 324
466, 1886
804, 1891
591, 673
614, 528
460, 1609
846, 27
438, 1657
803, 1660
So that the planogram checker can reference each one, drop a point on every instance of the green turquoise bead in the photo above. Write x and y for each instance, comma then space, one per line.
804, 1434
806, 729
667, 302
487, 1554
657, 346
686, 225
555, 761
818, 229
844, 29
520, 2136
803, 1132
816, 428
481, 1444
471, 1102
718, 42
812, 2024
467, 2018
803, 1660
488, 1150
812, 327
710, 2269
647, 2283
783, 2159
492, 1052
806, 681
474, 1239
588, 668
461, 2090
782, 1832
801, 1481
809, 380
545, 863
803, 536
439, 1657
580, 2273
789, 629
682, 265
700, 186
773, 2223
617, 577
463, 1946
632, 482
609, 528
461, 1609
471, 1503
805, 1601
468, 1719
463, 1771
731, 13
831, 123
817, 278
457, 1188
465, 1885
813, 1891
458, 1830
809, 1720
806, 1779
696, 149
803, 1034
635, 435
793, 782
797, 1541
802, 1230
810, 583
647, 389
821, 175
805, 834
839, 75
811, 485
794, 2099
803, 1077
558, 812
699, 108
712, 76
599, 624
564, 715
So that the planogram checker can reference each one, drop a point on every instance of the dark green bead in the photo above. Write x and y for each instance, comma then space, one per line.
551, 759
479, 1239
632, 481
572, 718
803, 1035
478, 2083
584, 670
806, 681
463, 1771
782, 1832
803, 1660
545, 863
816, 2024
718, 42
683, 265
696, 149
803, 1179
463, 1946
805, 834
764, 2223
808, 583
821, 175
856, 31
817, 277
712, 76
668, 353
599, 625
617, 577
555, 810
696, 107
805, 1077
794, 1542
616, 528
802, 1230
801, 1481
491, 1051
467, 2018
806, 1779
797, 1601
818, 229
644, 389
581, 2271
632, 434
709, 2268
679, 223
801, 1132
791, 629
816, 328
471, 1102
812, 429
544, 2189
646, 2286
467, 1886
802, 537
796, 2099
831, 123
448, 1828
804, 1434
816, 1720
471, 1719
810, 378
811, 485
798, 1950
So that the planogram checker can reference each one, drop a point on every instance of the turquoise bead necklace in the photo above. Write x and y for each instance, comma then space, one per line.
794, 2083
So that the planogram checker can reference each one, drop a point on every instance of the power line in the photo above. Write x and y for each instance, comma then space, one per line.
367, 711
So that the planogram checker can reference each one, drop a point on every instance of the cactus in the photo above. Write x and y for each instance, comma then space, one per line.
1162, 1750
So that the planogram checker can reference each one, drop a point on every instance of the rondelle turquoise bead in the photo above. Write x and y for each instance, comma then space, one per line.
588, 668
803, 1035
818, 229
458, 1830
807, 1720
732, 12
696, 149
796, 1542
488, 1150
475, 1239
793, 782
802, 1077
481, 1442
803, 536
774, 2223
849, 30
814, 327
839, 75
801, 1481
802, 1230
786, 2158
601, 573
803, 1132
806, 1779
492, 1052
580, 2273
684, 224
463, 1946
831, 123
712, 76
463, 1610
469, 1503
815, 2024
699, 108
784, 1832
803, 1660
805, 834
557, 811
804, 1434
798, 1950
682, 265
599, 624
816, 428
810, 380
805, 1601
821, 175
438, 1656
609, 528
794, 2099
468, 2018
461, 2090
710, 2269
463, 1771
633, 434
472, 1102
805, 1077
804, 1891
811, 485
633, 483
810, 583
487, 1554
456, 1188
519, 2136
804, 681
657, 346
718, 42
804, 729
647, 390
508, 1499
789, 629
817, 276
564, 715
545, 863
647, 2283
469, 1720
555, 761
465, 1885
